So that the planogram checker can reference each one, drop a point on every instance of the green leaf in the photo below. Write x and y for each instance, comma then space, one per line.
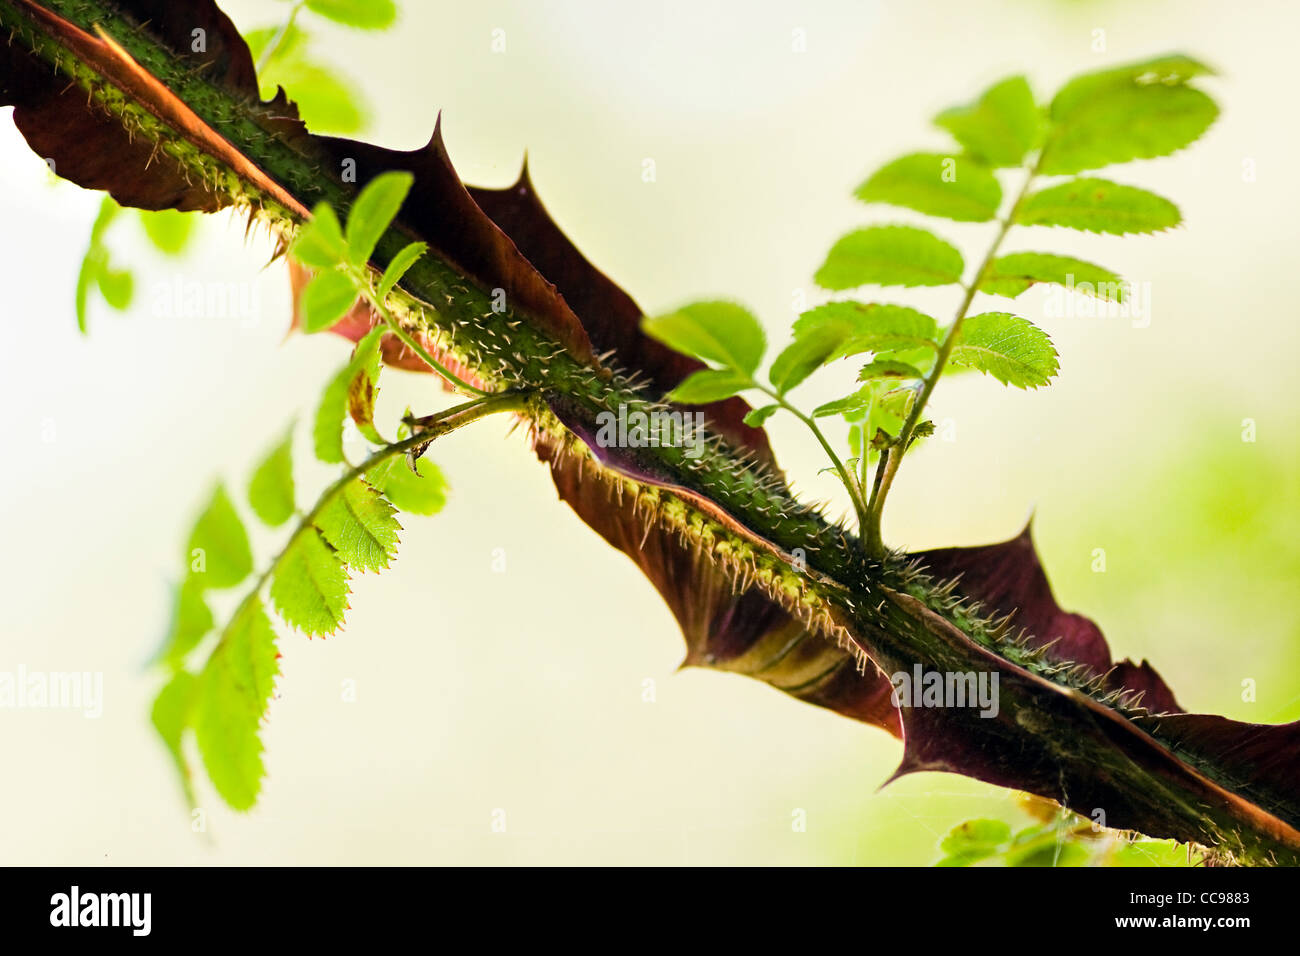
319, 242
710, 385
923, 429
803, 356
327, 431
326, 299
191, 621
937, 185
1150, 853
168, 229
325, 102
837, 329
888, 412
720, 332
422, 494
874, 327
270, 491
218, 552
1138, 111
922, 359
373, 211
117, 286
230, 700
755, 417
362, 393
1172, 69
1001, 126
362, 14
403, 261
108, 211
1097, 205
95, 260
979, 838
886, 368
1011, 349
86, 275
170, 716
363, 386
1049, 853
848, 405
291, 42
855, 440
889, 255
359, 523
310, 586
1012, 274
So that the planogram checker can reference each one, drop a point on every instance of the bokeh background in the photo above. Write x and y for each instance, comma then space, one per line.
525, 690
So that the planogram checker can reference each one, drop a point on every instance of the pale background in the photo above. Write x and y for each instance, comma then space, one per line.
523, 690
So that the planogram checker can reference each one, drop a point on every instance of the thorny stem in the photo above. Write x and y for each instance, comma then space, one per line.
912, 623
363, 284
887, 470
435, 426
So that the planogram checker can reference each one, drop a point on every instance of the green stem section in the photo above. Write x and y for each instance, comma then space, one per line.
269, 53
367, 291
887, 470
855, 493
